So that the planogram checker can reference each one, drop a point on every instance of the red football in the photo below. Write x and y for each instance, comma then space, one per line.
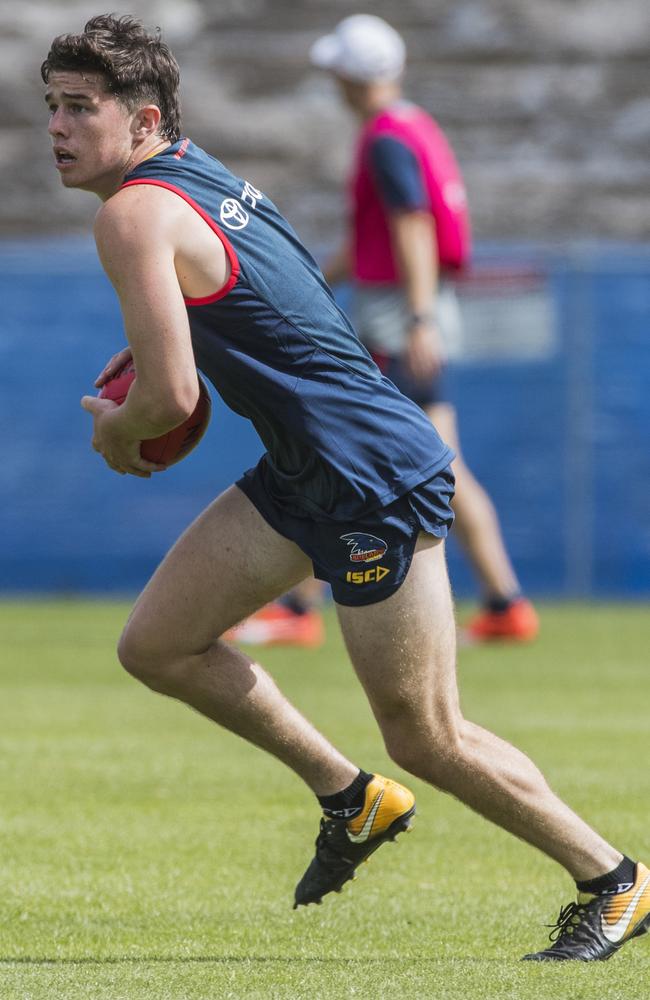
171, 447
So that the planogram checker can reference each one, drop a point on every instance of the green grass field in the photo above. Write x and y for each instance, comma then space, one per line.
146, 854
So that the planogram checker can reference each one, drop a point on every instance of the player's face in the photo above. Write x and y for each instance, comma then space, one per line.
91, 132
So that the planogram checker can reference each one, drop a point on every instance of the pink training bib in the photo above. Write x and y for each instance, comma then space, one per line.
373, 259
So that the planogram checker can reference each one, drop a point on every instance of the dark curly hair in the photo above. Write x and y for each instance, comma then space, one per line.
137, 67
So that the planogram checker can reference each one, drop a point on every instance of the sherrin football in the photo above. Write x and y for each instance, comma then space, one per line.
176, 444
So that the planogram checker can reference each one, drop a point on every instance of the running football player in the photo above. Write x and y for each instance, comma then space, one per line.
355, 483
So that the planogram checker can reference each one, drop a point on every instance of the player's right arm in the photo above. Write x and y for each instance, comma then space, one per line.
413, 241
135, 236
399, 181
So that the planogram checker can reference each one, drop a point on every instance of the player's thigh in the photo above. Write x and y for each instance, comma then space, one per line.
226, 565
404, 648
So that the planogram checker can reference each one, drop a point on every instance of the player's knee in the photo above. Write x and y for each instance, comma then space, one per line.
142, 658
433, 754
406, 756
439, 767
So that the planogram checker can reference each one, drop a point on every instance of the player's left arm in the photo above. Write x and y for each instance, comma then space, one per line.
135, 241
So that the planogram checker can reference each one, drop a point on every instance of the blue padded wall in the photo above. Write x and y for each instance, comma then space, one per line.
558, 434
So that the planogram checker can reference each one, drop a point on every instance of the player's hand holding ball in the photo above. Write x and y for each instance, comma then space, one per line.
134, 456
120, 453
112, 367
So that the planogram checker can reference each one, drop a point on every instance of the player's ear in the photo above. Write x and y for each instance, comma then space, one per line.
146, 121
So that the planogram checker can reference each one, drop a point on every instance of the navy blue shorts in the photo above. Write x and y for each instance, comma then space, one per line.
424, 392
364, 560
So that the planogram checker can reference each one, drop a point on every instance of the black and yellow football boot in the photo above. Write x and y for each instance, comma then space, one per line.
341, 844
595, 927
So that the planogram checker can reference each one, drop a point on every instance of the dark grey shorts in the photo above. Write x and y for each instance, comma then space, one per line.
366, 559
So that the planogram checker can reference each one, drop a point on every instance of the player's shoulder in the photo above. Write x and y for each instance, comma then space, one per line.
133, 215
131, 202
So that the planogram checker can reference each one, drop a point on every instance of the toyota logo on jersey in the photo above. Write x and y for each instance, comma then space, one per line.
233, 214
363, 547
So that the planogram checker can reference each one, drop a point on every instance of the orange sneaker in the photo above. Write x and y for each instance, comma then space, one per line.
277, 625
519, 622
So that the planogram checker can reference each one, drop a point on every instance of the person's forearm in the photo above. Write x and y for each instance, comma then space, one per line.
148, 413
415, 252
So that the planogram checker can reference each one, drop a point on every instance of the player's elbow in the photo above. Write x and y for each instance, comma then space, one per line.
170, 408
185, 396
180, 406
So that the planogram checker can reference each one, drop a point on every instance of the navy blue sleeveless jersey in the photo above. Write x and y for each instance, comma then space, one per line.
340, 438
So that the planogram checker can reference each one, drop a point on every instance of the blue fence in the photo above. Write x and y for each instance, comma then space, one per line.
551, 388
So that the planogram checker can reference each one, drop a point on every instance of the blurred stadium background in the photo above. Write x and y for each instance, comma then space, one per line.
546, 105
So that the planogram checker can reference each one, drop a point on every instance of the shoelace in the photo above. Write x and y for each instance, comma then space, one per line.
568, 922
328, 829
331, 830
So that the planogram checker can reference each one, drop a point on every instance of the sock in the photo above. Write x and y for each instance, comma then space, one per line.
497, 605
620, 880
348, 803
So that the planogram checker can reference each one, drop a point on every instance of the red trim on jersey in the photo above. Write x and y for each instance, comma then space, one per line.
232, 256
182, 149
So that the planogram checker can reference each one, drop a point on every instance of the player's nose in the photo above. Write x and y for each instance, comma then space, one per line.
56, 124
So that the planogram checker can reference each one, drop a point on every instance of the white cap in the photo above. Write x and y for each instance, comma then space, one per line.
362, 47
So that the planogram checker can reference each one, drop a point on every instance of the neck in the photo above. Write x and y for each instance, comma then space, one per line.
378, 97
144, 151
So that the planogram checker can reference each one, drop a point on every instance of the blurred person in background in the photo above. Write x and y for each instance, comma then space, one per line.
409, 235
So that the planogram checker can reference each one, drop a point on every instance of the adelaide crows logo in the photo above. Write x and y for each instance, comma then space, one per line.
364, 548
